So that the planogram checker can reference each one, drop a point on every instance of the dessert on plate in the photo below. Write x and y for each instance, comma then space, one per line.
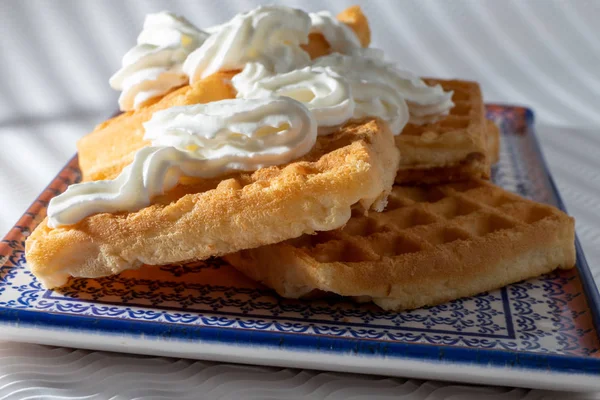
282, 142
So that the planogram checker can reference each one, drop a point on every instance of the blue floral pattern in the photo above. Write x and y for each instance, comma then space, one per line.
546, 315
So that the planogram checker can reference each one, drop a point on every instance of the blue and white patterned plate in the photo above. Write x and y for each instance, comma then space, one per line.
538, 333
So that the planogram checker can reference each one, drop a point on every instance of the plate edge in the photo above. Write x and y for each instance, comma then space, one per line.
590, 289
444, 369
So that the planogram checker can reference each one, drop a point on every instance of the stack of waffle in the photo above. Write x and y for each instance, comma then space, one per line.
333, 221
446, 233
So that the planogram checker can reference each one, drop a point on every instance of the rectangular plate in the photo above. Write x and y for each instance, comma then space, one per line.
538, 333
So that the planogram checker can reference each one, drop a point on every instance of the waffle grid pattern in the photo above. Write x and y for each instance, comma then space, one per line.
419, 219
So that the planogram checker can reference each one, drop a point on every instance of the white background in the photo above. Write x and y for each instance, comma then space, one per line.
55, 61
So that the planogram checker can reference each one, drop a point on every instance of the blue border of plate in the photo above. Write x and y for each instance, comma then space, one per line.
359, 347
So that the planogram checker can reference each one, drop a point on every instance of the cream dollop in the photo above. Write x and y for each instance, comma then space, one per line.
201, 140
154, 66
372, 98
271, 35
341, 38
375, 99
253, 72
323, 91
425, 103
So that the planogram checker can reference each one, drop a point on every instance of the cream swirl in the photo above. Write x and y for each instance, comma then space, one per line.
255, 132
341, 38
324, 92
271, 35
201, 140
252, 73
375, 99
425, 103
153, 67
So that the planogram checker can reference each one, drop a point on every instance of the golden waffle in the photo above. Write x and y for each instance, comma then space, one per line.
451, 149
207, 217
430, 245
112, 145
492, 138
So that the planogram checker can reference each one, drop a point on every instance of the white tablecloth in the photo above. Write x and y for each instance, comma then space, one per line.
56, 60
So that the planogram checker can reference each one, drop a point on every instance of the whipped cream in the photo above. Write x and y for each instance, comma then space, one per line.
372, 98
341, 38
325, 93
375, 99
201, 140
237, 134
154, 66
271, 35
252, 73
426, 104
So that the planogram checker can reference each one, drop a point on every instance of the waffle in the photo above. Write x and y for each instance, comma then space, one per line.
492, 138
451, 149
207, 217
431, 245
112, 145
